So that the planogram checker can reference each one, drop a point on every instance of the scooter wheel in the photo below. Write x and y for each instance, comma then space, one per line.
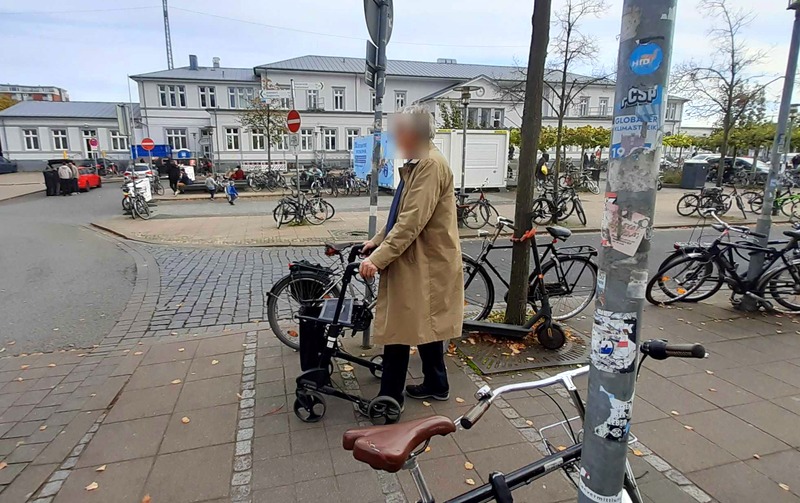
383, 410
377, 360
551, 336
309, 406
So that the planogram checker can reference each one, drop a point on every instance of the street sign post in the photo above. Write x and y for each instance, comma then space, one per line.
371, 67
293, 121
373, 15
148, 144
309, 85
94, 143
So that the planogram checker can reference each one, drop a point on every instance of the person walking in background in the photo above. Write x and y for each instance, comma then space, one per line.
418, 252
211, 185
174, 174
65, 179
541, 167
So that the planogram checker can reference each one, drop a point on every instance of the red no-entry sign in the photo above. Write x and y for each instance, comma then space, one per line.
293, 121
148, 144
94, 143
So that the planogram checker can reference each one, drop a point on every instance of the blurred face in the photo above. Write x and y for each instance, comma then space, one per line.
406, 138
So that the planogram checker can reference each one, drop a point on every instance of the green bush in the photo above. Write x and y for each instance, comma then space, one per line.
672, 177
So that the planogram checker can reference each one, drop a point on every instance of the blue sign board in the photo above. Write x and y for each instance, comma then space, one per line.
183, 153
362, 159
158, 151
646, 58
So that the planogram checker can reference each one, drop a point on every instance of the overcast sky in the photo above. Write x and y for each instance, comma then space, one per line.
89, 47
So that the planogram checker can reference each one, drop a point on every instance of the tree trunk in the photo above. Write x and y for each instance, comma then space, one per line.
563, 103
726, 130
531, 130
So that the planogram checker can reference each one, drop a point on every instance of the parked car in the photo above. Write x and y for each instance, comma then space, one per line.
88, 177
142, 170
102, 165
7, 166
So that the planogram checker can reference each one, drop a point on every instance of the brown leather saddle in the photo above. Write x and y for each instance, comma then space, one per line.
389, 447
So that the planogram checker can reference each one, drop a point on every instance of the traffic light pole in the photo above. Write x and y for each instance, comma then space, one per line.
645, 50
764, 222
380, 89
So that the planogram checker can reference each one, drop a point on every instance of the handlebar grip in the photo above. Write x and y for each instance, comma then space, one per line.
757, 234
474, 414
661, 350
355, 251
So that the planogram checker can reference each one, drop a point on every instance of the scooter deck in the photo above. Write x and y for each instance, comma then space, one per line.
498, 329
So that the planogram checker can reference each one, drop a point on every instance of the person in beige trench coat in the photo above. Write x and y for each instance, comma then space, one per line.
418, 254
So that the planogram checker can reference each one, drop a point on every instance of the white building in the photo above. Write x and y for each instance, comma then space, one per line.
34, 131
186, 106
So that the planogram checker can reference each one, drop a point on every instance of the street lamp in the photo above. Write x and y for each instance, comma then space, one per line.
466, 95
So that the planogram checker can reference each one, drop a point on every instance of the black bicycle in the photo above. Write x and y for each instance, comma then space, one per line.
700, 270
397, 446
568, 273
545, 209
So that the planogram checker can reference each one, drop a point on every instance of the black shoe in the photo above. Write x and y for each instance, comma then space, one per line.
419, 391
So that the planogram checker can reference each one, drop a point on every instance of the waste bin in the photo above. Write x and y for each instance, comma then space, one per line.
694, 174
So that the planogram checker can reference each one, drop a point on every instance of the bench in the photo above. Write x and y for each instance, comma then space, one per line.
200, 186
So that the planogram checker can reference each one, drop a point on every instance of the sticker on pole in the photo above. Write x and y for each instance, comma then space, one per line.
646, 58
598, 498
618, 422
613, 341
621, 230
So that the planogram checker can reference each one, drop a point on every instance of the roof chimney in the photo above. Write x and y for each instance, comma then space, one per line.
447, 61
192, 62
216, 62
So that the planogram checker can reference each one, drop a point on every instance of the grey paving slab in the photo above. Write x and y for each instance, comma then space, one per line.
204, 474
125, 440
781, 467
147, 402
685, 449
738, 482
777, 421
121, 482
209, 426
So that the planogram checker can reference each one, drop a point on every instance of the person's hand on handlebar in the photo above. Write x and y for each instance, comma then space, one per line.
367, 246
367, 269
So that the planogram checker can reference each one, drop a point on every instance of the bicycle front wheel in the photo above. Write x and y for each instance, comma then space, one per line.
688, 279
286, 298
478, 290
488, 212
783, 285
473, 218
316, 212
579, 211
542, 212
687, 205
570, 284
593, 186
141, 209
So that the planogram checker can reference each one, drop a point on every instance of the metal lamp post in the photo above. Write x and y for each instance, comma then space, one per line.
466, 95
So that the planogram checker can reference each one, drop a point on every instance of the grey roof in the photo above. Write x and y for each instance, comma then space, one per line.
65, 109
202, 73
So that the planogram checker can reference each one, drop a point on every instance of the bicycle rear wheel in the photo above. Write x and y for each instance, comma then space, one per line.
593, 186
687, 279
473, 217
141, 209
687, 205
478, 290
783, 285
288, 295
542, 211
579, 211
570, 283
488, 212
316, 211
284, 213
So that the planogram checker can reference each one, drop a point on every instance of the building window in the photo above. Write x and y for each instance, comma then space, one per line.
232, 138
172, 96
312, 99
118, 141
373, 101
583, 106
283, 142
497, 118
306, 140
338, 98
177, 139
208, 96
286, 103
672, 111
88, 134
603, 109
60, 139
352, 133
31, 139
399, 100
240, 97
257, 138
329, 138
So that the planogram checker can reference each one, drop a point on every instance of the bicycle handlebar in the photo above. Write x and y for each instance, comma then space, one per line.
355, 251
474, 414
661, 350
735, 228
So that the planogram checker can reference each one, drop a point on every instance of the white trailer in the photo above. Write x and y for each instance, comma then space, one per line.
487, 154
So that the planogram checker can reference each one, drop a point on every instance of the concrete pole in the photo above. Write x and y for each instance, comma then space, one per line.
380, 89
645, 51
764, 222
464, 146
269, 140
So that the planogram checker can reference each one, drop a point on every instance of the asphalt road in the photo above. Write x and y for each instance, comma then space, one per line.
61, 284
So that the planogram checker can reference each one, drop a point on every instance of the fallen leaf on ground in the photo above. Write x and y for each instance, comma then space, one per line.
470, 482
137, 353
173, 333
100, 468
426, 404
19, 379
637, 452
23, 367
561, 448
428, 449
214, 362
92, 486
413, 350
347, 368
181, 350
713, 390
42, 427
709, 372
756, 456
459, 399
675, 413
55, 330
690, 428
239, 396
530, 358
12, 343
176, 381
2, 350
185, 420
3, 465
468, 465
51, 365
529, 422
146, 499
784, 487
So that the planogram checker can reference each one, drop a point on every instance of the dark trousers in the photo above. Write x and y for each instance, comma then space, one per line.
395, 368
212, 192
49, 183
173, 184
66, 186
75, 187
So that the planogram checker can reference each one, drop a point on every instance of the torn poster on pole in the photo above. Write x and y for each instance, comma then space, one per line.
616, 426
613, 341
620, 231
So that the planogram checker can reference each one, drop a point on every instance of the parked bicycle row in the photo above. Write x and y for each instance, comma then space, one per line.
786, 202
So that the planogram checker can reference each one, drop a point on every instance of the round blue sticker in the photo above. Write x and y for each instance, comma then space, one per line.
646, 59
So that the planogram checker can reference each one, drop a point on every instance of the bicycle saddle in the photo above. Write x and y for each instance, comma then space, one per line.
388, 447
338, 246
794, 233
559, 232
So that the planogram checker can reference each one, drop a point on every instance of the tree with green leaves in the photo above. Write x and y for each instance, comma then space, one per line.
266, 118
450, 114
7, 101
